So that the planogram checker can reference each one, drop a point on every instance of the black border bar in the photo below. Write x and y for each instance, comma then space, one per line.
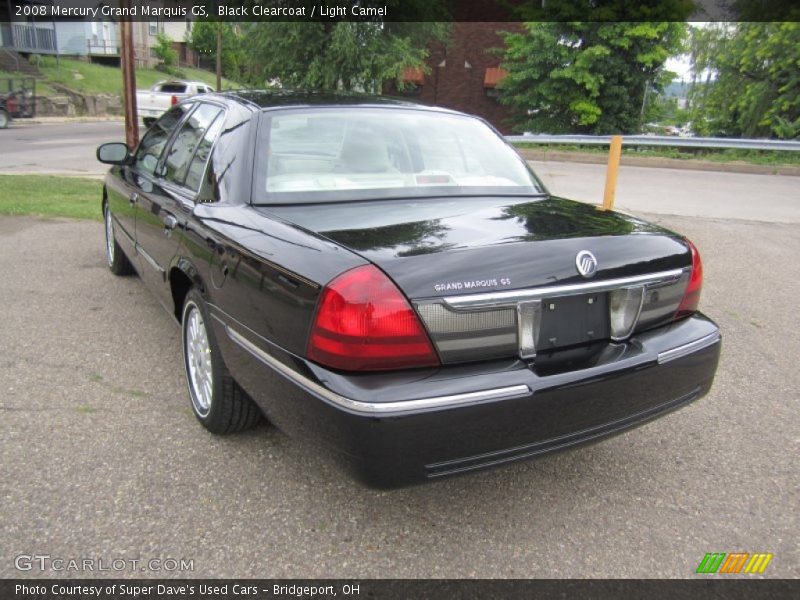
321, 11
707, 588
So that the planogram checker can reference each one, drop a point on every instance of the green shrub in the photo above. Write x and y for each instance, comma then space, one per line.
164, 50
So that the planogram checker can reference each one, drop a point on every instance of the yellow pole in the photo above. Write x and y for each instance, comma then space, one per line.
613, 170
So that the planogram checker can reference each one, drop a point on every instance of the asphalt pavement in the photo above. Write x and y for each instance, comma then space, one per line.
101, 457
56, 148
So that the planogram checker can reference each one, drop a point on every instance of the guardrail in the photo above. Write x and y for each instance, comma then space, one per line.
658, 140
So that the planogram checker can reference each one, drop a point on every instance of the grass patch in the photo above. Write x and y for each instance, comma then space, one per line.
92, 78
755, 157
46, 196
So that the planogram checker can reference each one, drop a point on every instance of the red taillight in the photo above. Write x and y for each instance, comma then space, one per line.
691, 297
11, 104
364, 323
173, 101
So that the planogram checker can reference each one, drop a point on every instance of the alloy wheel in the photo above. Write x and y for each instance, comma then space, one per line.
109, 237
198, 360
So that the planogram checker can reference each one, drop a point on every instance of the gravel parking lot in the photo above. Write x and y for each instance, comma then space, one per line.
100, 456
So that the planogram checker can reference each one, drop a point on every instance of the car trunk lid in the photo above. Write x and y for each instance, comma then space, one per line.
474, 268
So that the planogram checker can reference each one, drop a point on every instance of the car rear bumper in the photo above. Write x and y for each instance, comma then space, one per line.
404, 427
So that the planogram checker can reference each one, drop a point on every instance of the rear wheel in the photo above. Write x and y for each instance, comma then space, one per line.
117, 261
217, 400
5, 118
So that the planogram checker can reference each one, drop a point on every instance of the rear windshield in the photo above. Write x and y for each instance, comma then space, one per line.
330, 154
173, 88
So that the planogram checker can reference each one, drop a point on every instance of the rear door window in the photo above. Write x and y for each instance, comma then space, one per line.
199, 163
189, 141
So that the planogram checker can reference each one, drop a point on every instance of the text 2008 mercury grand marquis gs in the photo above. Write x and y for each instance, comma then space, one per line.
393, 281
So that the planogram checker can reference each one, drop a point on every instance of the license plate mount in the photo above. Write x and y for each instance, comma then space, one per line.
572, 320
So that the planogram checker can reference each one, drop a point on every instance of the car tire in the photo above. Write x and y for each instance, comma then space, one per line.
5, 118
115, 257
218, 402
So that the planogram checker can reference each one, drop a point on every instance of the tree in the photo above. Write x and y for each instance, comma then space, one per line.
164, 51
703, 45
756, 91
203, 40
587, 77
338, 54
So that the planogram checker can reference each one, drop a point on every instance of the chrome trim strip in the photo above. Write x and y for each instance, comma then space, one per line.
118, 227
686, 349
511, 297
372, 408
150, 260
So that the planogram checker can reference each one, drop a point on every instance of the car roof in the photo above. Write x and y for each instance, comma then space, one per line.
183, 82
266, 99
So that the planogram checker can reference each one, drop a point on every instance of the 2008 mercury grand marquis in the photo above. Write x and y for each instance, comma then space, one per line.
394, 281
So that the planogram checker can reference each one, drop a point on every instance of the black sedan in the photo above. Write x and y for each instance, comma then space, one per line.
393, 281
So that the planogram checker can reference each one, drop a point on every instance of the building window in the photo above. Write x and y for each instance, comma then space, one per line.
153, 27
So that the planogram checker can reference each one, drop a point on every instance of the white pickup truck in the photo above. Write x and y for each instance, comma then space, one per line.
152, 103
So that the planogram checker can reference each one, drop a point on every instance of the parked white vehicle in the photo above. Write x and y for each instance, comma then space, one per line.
152, 103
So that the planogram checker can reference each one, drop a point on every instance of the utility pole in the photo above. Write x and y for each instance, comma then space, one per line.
219, 56
129, 84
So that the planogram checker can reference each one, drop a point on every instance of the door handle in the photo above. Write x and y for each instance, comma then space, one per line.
134, 197
170, 223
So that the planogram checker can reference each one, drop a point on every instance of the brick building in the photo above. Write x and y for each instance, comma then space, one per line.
464, 73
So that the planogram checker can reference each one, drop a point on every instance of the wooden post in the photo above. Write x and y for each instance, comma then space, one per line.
219, 56
614, 153
129, 85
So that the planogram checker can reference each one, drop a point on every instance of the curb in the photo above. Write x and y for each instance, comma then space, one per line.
661, 163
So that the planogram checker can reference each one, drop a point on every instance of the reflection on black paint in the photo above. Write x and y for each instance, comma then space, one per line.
452, 224
420, 237
557, 218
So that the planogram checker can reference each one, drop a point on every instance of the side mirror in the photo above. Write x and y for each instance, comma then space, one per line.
115, 153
